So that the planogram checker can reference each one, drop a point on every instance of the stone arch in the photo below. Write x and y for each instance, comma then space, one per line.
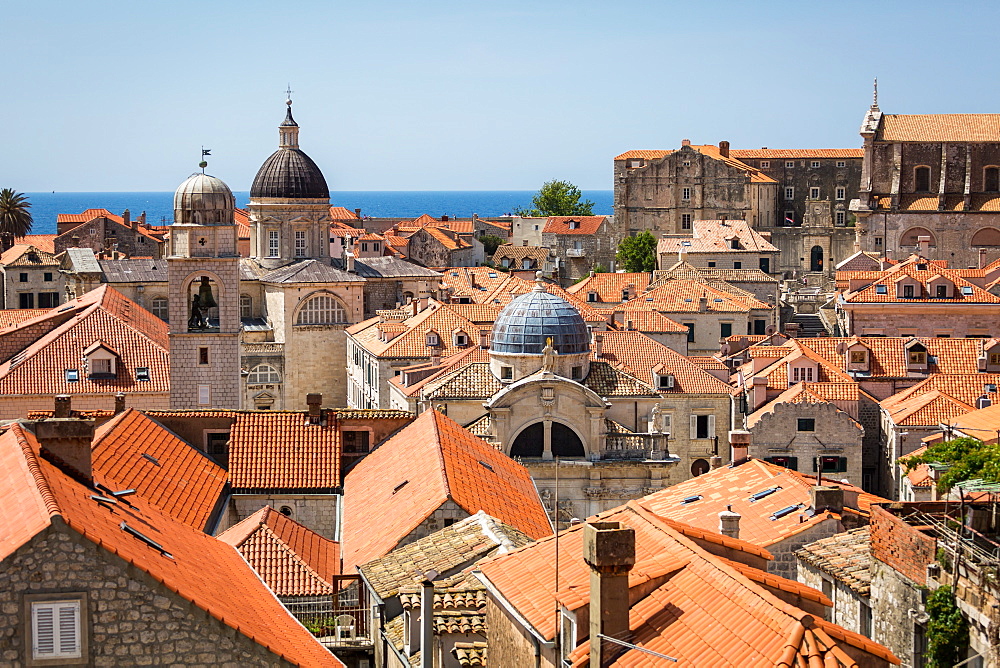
816, 258
308, 304
909, 237
190, 286
988, 236
565, 441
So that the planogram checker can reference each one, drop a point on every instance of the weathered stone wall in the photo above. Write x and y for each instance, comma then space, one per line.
847, 604
18, 406
510, 644
802, 176
132, 619
785, 562
318, 512
893, 598
35, 284
103, 234
955, 320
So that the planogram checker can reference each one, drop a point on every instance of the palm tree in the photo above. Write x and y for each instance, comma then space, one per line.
15, 218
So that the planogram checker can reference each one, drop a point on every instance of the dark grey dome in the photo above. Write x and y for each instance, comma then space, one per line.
289, 173
529, 319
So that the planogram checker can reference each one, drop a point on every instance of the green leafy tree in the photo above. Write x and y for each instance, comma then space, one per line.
558, 198
15, 217
490, 244
638, 253
965, 457
947, 629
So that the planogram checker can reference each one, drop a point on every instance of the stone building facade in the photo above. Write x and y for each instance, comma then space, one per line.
31, 278
932, 175
104, 232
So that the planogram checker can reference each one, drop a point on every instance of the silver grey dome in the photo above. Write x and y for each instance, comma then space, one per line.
203, 199
529, 319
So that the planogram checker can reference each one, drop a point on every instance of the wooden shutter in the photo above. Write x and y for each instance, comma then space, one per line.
43, 633
694, 427
711, 426
55, 629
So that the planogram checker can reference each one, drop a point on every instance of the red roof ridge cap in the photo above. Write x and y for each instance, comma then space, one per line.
688, 530
30, 458
105, 429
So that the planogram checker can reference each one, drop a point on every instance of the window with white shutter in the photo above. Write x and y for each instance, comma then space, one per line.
55, 630
694, 427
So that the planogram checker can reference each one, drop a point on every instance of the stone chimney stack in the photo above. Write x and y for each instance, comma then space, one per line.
484, 338
119, 403
982, 258
724, 149
349, 259
685, 142
66, 442
715, 462
702, 304
127, 218
598, 345
314, 402
729, 523
609, 550
827, 497
739, 444
357, 214
759, 392
142, 218
64, 406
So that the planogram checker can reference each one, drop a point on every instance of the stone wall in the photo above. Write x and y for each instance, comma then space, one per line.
847, 603
18, 406
785, 563
132, 619
900, 546
104, 234
893, 598
510, 644
35, 284
956, 320
319, 512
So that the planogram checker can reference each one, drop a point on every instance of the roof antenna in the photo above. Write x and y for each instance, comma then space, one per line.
203, 164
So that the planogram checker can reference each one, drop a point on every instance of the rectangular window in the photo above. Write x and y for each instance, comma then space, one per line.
737, 265
765, 265
859, 356
72, 375
100, 367
841, 193
760, 327
636, 163
142, 374
814, 164
789, 164
300, 243
878, 242
356, 442
807, 424
577, 373
711, 264
48, 299
789, 192
841, 163
725, 329
841, 218
26, 300
701, 430
866, 620
204, 395
690, 327
685, 193
47, 276
941, 291
23, 277
908, 291
685, 221
55, 630
506, 373
273, 243
814, 193
765, 164
203, 355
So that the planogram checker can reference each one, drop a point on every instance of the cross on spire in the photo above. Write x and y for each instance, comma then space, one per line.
288, 94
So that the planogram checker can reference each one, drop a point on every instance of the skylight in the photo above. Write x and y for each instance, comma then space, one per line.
880, 289
485, 464
767, 492
966, 290
785, 511
690, 499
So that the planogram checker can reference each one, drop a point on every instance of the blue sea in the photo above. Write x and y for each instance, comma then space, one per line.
377, 204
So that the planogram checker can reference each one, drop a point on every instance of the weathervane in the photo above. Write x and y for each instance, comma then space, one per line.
288, 95
203, 164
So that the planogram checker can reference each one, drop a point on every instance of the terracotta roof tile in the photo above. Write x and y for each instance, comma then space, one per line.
15, 316
681, 295
26, 255
444, 319
182, 482
939, 127
962, 291
408, 477
565, 224
199, 568
646, 321
639, 355
444, 551
88, 216
709, 150
609, 286
846, 556
43, 242
282, 451
715, 236
782, 153
926, 408
887, 355
291, 559
342, 213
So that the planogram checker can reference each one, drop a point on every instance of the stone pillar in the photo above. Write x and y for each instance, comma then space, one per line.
609, 550
547, 440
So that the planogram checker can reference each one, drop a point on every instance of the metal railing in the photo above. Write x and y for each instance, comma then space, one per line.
338, 620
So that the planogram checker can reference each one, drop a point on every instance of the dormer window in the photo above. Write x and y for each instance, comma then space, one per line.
908, 291
802, 374
591, 296
101, 360
461, 339
734, 244
941, 291
432, 339
916, 358
625, 295
574, 224
664, 381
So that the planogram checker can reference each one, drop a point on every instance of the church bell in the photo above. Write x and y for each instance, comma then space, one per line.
205, 296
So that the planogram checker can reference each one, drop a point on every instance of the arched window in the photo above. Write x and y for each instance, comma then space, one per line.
922, 179
322, 310
160, 308
988, 236
246, 306
263, 373
991, 179
911, 235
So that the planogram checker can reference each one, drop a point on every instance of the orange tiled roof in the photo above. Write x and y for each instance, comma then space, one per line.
449, 241
241, 218
887, 355
939, 128
291, 559
920, 475
444, 319
638, 354
683, 295
889, 278
646, 321
36, 352
430, 461
735, 486
274, 450
88, 216
782, 153
756, 176
10, 317
927, 408
43, 242
26, 255
714, 236
181, 481
609, 286
687, 604
201, 569
561, 224
342, 213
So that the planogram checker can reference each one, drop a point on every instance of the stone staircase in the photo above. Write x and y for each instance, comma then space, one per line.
810, 325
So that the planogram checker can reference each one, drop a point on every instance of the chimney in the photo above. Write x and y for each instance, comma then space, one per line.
142, 218
76, 241
714, 462
63, 407
609, 550
758, 395
444, 219
685, 142
66, 442
702, 304
682, 254
484, 338
792, 330
982, 258
827, 497
436, 356
119, 403
598, 345
729, 523
127, 218
314, 402
739, 443
357, 214
427, 620
349, 263
923, 246
724, 149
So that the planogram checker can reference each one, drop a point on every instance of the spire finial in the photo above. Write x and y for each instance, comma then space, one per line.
288, 95
539, 283
203, 164
875, 94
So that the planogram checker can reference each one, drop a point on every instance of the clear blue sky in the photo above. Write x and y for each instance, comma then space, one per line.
442, 95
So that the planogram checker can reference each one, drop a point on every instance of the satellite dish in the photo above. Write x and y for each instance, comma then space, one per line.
769, 330
841, 348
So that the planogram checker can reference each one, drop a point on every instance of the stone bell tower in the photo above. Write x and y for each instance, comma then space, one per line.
203, 276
